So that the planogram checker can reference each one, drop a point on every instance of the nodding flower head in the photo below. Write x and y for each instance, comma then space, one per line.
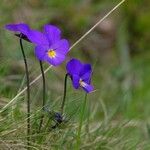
20, 29
58, 117
49, 46
80, 75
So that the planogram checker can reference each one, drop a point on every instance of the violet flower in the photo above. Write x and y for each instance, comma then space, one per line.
49, 46
19, 29
80, 74
53, 49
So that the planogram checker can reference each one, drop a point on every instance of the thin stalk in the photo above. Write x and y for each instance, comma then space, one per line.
44, 93
28, 93
64, 97
88, 120
81, 122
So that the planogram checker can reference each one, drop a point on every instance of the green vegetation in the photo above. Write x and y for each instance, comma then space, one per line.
117, 113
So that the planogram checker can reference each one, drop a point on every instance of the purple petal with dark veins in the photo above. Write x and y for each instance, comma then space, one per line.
86, 73
37, 38
21, 28
57, 60
88, 88
40, 52
74, 66
61, 46
52, 33
75, 81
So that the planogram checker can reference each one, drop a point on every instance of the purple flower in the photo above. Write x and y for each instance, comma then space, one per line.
48, 45
80, 74
20, 28
52, 49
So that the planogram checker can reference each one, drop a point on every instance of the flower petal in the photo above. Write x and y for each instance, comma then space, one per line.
88, 88
61, 46
86, 73
52, 33
57, 60
40, 52
74, 66
37, 38
75, 81
21, 28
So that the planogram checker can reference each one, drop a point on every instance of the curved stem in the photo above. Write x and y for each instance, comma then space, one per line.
65, 91
28, 93
44, 92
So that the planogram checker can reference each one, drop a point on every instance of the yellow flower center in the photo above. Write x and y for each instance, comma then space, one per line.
82, 83
51, 53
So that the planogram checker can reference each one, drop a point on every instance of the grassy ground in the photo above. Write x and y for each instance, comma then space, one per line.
117, 113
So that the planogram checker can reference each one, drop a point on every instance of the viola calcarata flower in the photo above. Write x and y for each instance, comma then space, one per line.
49, 46
80, 75
20, 29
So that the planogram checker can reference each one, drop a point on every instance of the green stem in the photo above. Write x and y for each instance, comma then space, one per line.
65, 91
88, 120
44, 93
81, 122
28, 94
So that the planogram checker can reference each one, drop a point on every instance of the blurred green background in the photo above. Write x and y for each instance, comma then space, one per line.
118, 49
